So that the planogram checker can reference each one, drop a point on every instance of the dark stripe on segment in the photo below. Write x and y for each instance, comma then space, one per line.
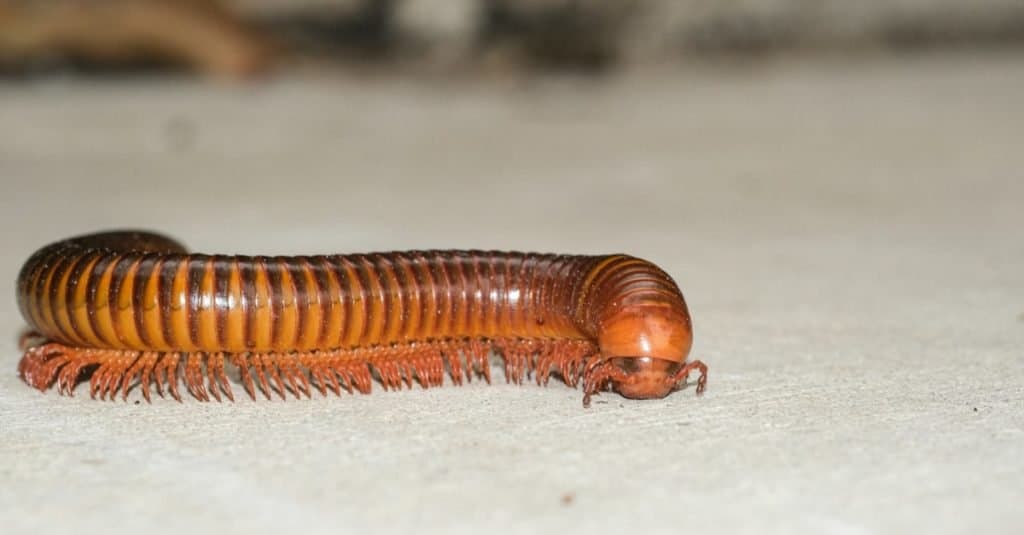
303, 298
460, 294
515, 275
289, 303
79, 281
222, 299
581, 294
443, 294
421, 269
556, 289
30, 293
529, 314
183, 279
503, 314
509, 293
561, 293
478, 288
465, 294
198, 301
276, 301
540, 282
147, 267
379, 296
494, 293
644, 282
95, 301
158, 319
165, 292
263, 295
534, 293
613, 273
70, 288
317, 286
249, 300
51, 287
333, 293
404, 290
491, 293
360, 290
634, 276
394, 299
122, 269
62, 298
237, 312
352, 302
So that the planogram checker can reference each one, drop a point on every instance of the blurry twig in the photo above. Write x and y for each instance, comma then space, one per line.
201, 35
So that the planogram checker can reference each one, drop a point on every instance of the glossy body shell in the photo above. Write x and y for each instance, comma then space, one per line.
142, 292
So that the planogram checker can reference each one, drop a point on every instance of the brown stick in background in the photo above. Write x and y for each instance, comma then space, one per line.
200, 35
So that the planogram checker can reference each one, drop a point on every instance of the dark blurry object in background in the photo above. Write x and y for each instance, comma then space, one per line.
564, 34
594, 35
348, 30
201, 35
229, 37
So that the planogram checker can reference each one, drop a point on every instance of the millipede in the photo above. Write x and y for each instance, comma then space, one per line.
129, 310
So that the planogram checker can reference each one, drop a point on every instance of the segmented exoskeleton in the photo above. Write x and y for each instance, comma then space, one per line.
134, 309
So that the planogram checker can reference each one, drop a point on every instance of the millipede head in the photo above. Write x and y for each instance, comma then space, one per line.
640, 377
643, 348
644, 377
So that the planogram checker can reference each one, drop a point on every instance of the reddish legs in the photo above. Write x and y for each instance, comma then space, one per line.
683, 374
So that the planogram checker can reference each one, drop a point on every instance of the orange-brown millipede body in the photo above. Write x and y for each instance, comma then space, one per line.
134, 310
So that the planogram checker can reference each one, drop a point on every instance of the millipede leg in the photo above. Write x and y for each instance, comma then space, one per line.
294, 376
451, 356
170, 364
212, 387
545, 359
596, 378
40, 364
683, 374
193, 376
129, 375
148, 362
270, 364
241, 361
257, 365
111, 371
332, 377
478, 359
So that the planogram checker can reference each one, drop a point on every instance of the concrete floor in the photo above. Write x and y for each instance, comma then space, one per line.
848, 235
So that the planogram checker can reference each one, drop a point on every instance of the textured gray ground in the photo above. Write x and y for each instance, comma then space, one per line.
849, 237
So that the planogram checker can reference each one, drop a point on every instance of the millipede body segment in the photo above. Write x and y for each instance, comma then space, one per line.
136, 310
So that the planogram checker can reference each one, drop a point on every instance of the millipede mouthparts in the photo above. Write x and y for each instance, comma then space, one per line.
128, 310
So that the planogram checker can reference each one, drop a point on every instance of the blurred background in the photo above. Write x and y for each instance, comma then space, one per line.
238, 38
837, 187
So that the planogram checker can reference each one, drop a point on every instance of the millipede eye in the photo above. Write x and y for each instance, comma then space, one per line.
628, 364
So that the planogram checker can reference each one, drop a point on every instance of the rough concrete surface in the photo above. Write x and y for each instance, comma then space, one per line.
848, 236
